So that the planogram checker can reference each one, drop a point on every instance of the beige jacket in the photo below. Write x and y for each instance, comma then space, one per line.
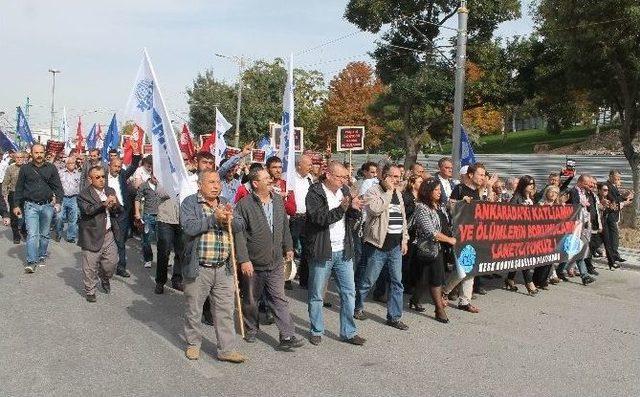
377, 222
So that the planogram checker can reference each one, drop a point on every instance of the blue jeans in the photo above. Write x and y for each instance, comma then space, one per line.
68, 213
376, 260
38, 220
582, 267
319, 273
148, 235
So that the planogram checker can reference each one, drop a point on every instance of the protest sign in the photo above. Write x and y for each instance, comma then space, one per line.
350, 138
496, 237
231, 151
54, 147
258, 156
298, 137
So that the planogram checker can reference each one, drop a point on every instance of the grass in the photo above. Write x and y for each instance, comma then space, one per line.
523, 142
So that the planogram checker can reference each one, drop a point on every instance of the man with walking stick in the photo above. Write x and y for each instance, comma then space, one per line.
208, 269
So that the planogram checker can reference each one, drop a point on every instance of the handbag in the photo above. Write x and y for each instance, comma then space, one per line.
426, 248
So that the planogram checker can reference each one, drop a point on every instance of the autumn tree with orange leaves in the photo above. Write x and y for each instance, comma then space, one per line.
350, 94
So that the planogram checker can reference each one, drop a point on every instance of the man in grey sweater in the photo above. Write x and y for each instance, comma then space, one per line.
260, 247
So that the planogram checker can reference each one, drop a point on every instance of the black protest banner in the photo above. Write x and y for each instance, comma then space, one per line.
497, 237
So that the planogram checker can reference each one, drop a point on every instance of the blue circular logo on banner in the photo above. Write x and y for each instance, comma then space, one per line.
467, 258
571, 244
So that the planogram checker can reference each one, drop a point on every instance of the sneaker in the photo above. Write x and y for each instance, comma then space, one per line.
147, 265
587, 280
233, 357
359, 315
250, 337
397, 324
291, 343
42, 262
315, 339
123, 273
29, 269
192, 352
91, 298
356, 340
159, 290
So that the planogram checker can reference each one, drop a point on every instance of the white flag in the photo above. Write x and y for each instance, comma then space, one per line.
222, 126
147, 109
65, 133
287, 143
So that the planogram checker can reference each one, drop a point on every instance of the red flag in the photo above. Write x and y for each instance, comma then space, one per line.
210, 143
186, 143
79, 137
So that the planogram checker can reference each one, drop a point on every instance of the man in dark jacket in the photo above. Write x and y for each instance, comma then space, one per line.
612, 216
117, 180
99, 230
330, 215
260, 247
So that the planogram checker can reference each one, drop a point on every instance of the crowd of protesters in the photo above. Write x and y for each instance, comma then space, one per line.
386, 233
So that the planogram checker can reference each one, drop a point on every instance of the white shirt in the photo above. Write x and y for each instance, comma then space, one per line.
4, 164
114, 183
300, 189
103, 197
446, 186
337, 229
140, 176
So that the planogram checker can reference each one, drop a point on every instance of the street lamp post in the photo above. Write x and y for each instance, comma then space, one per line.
240, 62
53, 94
461, 57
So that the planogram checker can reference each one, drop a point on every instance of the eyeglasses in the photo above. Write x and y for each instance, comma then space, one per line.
98, 176
341, 176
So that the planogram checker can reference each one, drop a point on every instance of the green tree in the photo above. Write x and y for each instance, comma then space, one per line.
599, 45
205, 94
263, 87
413, 65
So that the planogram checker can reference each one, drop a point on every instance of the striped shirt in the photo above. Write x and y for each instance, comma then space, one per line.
396, 221
215, 245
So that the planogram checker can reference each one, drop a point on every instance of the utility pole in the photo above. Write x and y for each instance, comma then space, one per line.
240, 61
461, 57
53, 95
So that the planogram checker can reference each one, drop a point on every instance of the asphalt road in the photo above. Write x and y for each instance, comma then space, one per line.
569, 341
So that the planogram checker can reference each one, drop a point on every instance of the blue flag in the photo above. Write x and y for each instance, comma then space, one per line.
6, 144
92, 138
265, 144
467, 157
112, 139
23, 130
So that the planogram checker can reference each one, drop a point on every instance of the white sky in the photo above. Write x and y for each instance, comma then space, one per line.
97, 46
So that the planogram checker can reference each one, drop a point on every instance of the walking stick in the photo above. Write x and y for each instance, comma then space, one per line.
235, 278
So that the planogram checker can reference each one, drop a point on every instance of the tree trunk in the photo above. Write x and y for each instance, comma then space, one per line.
633, 157
412, 152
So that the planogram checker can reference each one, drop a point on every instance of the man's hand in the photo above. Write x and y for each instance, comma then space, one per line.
6, 221
17, 212
346, 200
247, 269
467, 199
356, 203
405, 248
57, 207
246, 149
289, 256
492, 181
452, 241
111, 201
223, 214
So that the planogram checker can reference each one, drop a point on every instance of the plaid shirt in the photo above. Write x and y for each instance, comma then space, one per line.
215, 245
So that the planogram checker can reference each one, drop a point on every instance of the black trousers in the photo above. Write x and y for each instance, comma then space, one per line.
296, 224
18, 227
169, 239
541, 274
123, 224
612, 233
527, 274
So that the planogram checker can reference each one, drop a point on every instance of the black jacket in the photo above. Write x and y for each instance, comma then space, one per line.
318, 220
93, 219
38, 184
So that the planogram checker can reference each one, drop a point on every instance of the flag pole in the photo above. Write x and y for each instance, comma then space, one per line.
235, 278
